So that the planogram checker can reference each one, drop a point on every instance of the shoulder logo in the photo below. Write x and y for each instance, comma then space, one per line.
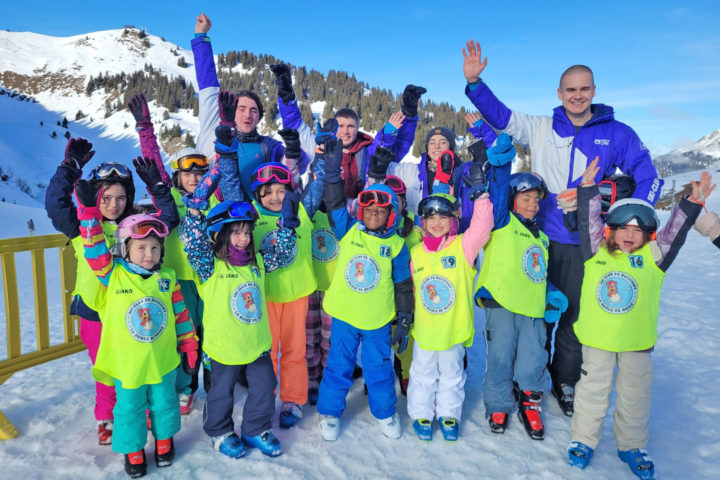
448, 262
385, 251
164, 284
636, 261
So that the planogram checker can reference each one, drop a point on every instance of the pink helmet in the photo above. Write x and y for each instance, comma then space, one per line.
137, 226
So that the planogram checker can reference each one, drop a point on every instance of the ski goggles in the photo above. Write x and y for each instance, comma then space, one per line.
144, 228
526, 182
110, 170
277, 172
624, 214
608, 194
435, 205
395, 184
238, 211
379, 198
191, 162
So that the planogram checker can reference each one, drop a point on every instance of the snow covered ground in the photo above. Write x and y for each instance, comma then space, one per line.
52, 407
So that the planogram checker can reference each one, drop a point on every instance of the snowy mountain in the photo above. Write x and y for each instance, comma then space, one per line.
702, 154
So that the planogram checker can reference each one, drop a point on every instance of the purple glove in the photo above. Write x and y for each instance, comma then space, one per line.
78, 153
138, 106
227, 104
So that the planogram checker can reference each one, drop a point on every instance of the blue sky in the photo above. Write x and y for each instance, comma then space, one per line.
657, 63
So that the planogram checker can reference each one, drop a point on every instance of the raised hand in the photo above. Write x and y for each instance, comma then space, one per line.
202, 24
78, 152
473, 63
200, 199
703, 190
289, 210
379, 163
410, 99
445, 166
138, 106
503, 152
227, 104
396, 119
328, 130
471, 118
86, 193
332, 155
588, 176
283, 81
291, 138
147, 170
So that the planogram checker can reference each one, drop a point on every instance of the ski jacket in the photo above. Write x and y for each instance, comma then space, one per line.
560, 152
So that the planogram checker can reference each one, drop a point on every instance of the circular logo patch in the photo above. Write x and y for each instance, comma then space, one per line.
246, 303
269, 240
324, 245
437, 294
617, 292
362, 273
533, 263
146, 319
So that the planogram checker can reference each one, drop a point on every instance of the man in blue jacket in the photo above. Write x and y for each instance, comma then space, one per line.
561, 148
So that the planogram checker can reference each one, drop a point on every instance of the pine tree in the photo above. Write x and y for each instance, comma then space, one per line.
181, 62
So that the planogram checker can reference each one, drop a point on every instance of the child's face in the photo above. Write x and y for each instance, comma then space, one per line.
374, 217
144, 251
189, 180
273, 198
240, 236
527, 204
629, 238
113, 201
437, 225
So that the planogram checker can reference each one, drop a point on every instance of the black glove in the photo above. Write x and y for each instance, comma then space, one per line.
148, 171
410, 99
379, 163
291, 137
402, 331
190, 370
225, 134
227, 104
138, 106
478, 150
86, 193
328, 130
283, 81
289, 210
332, 156
78, 153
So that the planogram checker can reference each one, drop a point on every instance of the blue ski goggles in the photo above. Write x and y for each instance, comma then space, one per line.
238, 211
110, 170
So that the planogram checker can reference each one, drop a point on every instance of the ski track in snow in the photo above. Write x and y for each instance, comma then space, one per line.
51, 405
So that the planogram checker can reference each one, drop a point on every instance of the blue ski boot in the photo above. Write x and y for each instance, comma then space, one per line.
579, 454
639, 462
423, 428
229, 444
449, 428
266, 442
290, 414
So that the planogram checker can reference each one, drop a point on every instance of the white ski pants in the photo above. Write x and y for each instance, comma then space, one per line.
437, 383
592, 397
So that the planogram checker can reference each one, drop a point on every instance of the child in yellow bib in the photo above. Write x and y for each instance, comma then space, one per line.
625, 264
145, 325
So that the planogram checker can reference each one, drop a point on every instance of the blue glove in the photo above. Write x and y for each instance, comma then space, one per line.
402, 331
289, 210
332, 155
557, 303
199, 200
503, 152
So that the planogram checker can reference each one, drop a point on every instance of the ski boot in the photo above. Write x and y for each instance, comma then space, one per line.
423, 428
229, 444
186, 402
390, 426
136, 464
290, 414
266, 442
565, 395
498, 422
105, 429
639, 462
449, 428
164, 452
529, 413
579, 454
329, 427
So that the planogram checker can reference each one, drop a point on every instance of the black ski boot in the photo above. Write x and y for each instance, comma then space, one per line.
565, 395
136, 464
529, 413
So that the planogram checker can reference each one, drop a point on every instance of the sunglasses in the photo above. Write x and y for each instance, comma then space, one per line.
144, 228
395, 184
267, 173
190, 162
110, 170
367, 197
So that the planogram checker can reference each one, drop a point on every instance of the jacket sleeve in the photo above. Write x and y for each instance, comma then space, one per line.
150, 149
590, 226
229, 183
96, 250
165, 205
280, 253
404, 301
405, 137
498, 187
478, 233
58, 201
313, 193
208, 87
197, 245
633, 158
338, 215
672, 236
184, 329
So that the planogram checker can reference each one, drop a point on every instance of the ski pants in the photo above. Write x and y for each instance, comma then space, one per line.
377, 365
515, 348
259, 405
317, 332
437, 383
633, 383
130, 427
105, 398
287, 327
565, 271
185, 383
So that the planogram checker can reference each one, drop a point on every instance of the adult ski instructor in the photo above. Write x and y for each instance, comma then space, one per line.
562, 146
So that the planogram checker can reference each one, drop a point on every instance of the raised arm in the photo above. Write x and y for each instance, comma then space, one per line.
88, 212
478, 233
590, 225
208, 85
160, 193
138, 106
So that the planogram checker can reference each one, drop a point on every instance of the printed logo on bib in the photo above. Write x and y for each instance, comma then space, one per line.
362, 273
617, 292
146, 319
164, 284
533, 263
437, 293
324, 245
246, 303
270, 239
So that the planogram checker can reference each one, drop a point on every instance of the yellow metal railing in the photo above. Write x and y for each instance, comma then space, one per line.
17, 359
